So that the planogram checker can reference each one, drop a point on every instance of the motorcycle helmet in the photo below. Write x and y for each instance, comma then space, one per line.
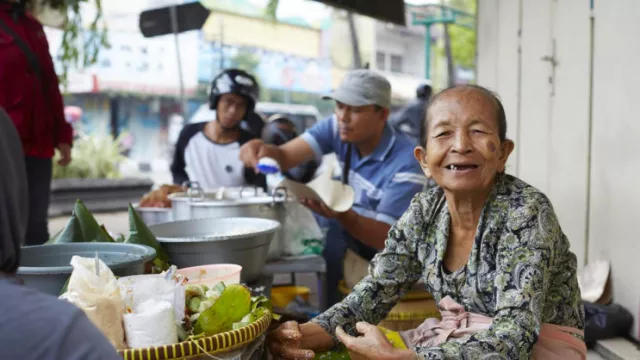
424, 90
234, 81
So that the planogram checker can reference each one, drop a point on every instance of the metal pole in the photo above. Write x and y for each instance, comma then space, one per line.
174, 28
427, 51
221, 43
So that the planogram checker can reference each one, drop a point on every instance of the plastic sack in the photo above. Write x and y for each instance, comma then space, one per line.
138, 289
98, 296
605, 322
302, 235
151, 324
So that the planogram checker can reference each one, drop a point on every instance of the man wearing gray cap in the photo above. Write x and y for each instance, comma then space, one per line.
377, 162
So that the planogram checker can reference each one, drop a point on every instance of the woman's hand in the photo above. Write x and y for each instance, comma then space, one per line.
293, 341
372, 345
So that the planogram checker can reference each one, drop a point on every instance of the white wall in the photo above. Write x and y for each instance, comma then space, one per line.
548, 110
615, 196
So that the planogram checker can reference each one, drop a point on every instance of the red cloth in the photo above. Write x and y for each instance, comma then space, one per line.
35, 107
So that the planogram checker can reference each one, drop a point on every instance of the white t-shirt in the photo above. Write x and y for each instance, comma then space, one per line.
212, 165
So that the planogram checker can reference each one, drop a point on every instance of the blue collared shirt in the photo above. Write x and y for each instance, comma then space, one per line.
384, 181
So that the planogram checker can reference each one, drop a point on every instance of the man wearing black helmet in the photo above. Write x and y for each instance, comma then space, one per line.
408, 119
208, 152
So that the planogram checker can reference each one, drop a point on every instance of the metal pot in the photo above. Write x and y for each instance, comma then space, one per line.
242, 241
152, 216
198, 205
181, 202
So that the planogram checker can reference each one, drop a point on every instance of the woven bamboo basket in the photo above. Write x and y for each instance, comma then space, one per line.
412, 310
216, 344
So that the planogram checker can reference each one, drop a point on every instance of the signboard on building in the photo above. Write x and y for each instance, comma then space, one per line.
135, 64
275, 70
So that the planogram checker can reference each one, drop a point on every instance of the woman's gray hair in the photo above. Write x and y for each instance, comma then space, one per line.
13, 196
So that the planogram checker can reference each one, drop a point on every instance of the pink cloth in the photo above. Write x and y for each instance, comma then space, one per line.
554, 342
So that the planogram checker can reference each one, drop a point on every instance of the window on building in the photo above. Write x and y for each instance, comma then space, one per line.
396, 64
381, 62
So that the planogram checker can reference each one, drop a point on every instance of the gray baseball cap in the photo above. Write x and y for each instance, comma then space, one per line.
363, 87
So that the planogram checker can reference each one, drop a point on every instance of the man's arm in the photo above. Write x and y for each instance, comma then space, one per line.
289, 155
314, 143
371, 232
178, 166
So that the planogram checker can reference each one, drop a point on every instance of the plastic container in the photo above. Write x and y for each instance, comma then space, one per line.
47, 267
211, 275
281, 296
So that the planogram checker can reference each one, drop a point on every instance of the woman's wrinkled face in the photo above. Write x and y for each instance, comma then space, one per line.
464, 151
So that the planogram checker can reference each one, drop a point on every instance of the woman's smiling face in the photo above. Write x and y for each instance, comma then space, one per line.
464, 150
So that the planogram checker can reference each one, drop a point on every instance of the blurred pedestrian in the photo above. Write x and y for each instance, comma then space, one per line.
408, 119
30, 94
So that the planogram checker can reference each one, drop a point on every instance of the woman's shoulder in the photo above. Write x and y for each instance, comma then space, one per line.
523, 202
423, 205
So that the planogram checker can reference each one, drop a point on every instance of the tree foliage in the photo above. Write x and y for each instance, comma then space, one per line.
463, 40
80, 46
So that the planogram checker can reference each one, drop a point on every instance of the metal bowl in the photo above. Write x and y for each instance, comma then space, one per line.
198, 205
47, 267
242, 241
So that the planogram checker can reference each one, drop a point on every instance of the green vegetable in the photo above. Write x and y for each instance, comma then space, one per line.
233, 305
340, 353
219, 287
194, 290
194, 303
140, 234
251, 317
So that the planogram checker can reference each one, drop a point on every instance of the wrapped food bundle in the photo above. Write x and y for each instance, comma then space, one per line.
96, 292
159, 198
83, 227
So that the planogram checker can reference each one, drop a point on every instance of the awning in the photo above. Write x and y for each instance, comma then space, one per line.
392, 11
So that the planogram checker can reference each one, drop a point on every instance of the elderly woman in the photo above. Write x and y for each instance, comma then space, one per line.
487, 245
34, 325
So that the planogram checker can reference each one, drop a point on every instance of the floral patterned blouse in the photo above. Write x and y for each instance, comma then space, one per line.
520, 272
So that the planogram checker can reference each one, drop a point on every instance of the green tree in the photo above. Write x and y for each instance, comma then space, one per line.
463, 40
80, 46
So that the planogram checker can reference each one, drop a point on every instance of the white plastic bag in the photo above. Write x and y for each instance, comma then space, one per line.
150, 324
302, 235
138, 289
98, 296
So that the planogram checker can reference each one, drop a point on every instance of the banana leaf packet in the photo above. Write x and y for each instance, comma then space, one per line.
83, 227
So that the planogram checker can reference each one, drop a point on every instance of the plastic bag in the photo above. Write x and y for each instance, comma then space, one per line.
98, 296
138, 289
605, 322
302, 235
